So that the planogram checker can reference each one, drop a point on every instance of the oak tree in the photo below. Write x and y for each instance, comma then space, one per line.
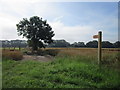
37, 31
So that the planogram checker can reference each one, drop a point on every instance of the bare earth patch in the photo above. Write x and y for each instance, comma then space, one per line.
38, 58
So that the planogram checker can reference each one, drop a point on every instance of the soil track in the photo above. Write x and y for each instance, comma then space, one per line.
38, 58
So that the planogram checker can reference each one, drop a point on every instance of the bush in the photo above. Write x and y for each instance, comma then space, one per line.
51, 52
28, 52
15, 55
40, 52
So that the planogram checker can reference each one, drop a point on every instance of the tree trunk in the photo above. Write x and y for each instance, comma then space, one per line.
34, 45
35, 48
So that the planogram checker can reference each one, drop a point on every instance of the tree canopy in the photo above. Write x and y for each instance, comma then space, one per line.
59, 43
92, 44
37, 31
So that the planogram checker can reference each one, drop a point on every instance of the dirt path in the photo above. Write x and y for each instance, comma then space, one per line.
38, 58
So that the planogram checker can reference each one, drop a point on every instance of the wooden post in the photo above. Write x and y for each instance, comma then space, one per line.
99, 46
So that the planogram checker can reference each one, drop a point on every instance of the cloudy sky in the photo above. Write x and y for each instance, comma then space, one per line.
72, 21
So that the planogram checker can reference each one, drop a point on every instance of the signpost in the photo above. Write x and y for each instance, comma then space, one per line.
95, 36
99, 36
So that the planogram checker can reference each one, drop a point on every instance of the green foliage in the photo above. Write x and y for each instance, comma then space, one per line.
37, 31
63, 72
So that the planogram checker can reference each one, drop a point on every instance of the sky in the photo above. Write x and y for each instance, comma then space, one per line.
72, 21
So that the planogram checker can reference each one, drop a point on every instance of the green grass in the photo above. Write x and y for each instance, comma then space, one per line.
0, 73
63, 72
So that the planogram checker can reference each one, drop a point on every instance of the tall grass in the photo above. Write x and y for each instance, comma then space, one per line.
108, 57
15, 55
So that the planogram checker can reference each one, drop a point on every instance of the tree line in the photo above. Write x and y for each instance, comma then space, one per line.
13, 43
90, 44
60, 43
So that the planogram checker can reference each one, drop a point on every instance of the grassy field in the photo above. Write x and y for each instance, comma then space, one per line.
71, 68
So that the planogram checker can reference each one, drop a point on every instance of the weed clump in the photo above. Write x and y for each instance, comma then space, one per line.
14, 55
